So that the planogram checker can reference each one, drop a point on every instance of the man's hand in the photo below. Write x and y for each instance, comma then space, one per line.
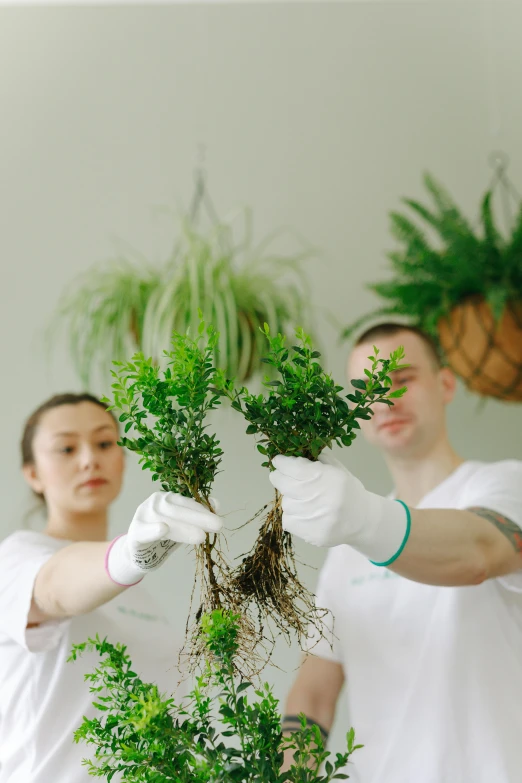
324, 504
160, 524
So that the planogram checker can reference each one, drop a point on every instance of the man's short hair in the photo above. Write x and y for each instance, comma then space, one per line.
390, 328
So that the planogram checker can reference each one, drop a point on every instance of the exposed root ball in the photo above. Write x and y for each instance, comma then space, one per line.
264, 590
267, 576
214, 579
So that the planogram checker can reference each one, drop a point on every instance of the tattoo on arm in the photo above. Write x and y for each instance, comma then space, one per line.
508, 528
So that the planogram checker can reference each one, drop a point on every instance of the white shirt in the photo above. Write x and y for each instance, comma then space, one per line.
433, 674
42, 697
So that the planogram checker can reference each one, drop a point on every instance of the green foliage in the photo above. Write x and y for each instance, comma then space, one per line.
126, 304
237, 286
167, 410
148, 738
429, 279
102, 312
304, 412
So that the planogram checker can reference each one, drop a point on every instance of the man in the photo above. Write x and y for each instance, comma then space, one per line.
425, 590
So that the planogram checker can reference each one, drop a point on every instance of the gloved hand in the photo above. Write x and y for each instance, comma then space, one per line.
324, 504
159, 525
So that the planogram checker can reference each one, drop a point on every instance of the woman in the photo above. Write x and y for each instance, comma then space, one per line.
67, 583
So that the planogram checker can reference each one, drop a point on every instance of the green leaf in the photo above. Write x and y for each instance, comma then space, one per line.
397, 393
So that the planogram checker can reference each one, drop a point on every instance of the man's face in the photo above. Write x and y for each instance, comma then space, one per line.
416, 421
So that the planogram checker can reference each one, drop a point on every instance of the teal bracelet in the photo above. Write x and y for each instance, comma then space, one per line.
404, 540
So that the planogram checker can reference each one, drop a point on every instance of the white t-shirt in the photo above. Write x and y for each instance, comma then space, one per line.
433, 674
42, 697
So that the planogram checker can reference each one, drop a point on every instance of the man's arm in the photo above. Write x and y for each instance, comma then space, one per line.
451, 548
324, 504
315, 693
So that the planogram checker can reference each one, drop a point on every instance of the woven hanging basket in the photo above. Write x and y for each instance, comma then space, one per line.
487, 356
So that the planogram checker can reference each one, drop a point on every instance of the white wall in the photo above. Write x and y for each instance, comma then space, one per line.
318, 116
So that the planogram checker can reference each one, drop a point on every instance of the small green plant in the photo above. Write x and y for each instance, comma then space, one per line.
177, 448
430, 278
167, 410
302, 414
145, 737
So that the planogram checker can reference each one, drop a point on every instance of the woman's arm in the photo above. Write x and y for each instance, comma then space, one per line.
73, 581
84, 575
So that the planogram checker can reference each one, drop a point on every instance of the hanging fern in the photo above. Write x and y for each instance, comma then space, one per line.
431, 277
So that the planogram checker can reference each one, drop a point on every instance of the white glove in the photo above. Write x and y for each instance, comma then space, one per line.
159, 525
324, 504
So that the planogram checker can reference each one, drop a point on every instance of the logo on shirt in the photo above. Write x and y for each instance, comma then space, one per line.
374, 576
151, 618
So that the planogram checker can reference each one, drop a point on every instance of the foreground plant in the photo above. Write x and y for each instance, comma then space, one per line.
167, 410
146, 738
302, 414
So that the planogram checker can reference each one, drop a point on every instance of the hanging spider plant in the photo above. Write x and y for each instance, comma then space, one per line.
104, 310
127, 305
237, 287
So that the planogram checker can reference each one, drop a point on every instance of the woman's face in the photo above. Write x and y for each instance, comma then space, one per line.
78, 464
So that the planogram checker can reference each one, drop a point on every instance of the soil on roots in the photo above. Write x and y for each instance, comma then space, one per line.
264, 591
267, 577
213, 581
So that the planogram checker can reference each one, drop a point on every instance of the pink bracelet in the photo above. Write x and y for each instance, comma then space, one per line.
106, 564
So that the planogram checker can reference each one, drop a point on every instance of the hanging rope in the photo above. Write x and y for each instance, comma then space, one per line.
491, 75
